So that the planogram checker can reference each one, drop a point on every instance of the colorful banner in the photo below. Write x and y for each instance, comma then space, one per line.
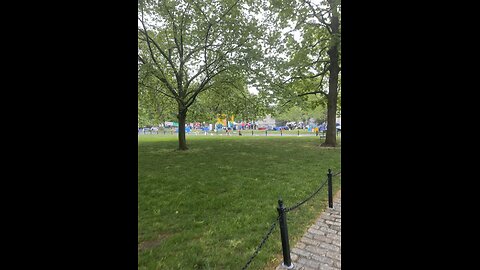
221, 119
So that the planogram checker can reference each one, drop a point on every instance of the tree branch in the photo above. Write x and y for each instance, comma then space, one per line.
156, 90
181, 30
228, 10
202, 87
150, 39
141, 59
314, 92
288, 101
319, 17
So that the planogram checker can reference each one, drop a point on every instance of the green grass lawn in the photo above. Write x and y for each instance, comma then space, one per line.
210, 206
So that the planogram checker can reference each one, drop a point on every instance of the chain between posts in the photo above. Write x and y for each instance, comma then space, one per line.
272, 227
308, 198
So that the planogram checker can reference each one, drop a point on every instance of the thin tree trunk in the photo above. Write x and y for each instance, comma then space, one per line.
182, 141
331, 137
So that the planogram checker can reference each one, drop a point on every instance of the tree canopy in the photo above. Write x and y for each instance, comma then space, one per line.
201, 56
308, 61
185, 46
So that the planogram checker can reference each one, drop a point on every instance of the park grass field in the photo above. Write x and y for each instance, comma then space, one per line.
210, 206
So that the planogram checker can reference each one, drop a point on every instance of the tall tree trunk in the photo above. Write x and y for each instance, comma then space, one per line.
182, 116
331, 137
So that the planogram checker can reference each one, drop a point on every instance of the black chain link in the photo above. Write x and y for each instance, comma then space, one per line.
272, 227
261, 243
308, 198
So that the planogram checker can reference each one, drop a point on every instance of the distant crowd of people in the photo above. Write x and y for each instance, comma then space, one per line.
197, 127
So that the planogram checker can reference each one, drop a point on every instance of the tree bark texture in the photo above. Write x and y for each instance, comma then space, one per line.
182, 141
331, 136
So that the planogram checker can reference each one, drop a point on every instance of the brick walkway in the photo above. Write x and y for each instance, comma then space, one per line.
319, 248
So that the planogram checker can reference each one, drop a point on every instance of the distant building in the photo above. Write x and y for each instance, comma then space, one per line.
268, 121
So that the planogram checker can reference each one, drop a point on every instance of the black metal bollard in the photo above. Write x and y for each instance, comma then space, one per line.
281, 132
298, 132
330, 188
287, 261
265, 132
252, 132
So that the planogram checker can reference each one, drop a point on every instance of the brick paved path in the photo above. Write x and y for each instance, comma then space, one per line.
319, 248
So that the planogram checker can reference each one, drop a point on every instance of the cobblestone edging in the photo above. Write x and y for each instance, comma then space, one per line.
319, 248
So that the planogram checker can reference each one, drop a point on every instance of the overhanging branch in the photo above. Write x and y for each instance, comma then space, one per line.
312, 93
319, 16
